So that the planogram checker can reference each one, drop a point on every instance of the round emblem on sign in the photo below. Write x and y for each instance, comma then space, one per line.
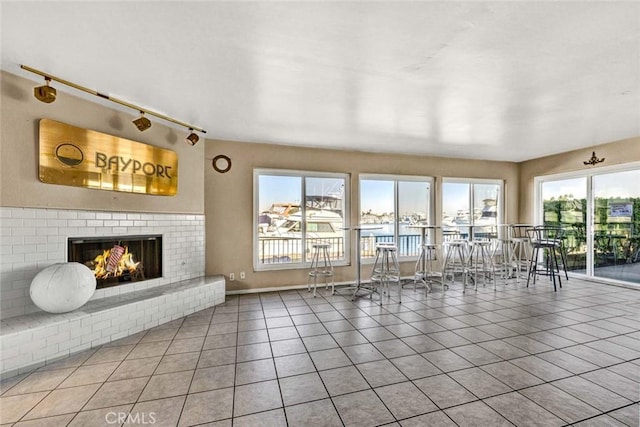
69, 155
221, 163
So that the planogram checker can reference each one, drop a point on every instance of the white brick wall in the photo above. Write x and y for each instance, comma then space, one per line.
32, 239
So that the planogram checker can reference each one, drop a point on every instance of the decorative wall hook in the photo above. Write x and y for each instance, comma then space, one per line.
594, 160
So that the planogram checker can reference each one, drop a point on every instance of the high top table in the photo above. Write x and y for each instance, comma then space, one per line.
423, 230
357, 286
504, 250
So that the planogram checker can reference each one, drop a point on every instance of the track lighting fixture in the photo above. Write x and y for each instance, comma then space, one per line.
142, 123
192, 139
48, 94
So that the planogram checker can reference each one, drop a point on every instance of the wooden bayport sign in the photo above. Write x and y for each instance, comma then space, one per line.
85, 158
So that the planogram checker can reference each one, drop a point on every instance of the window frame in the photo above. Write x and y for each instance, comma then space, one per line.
303, 175
472, 182
396, 202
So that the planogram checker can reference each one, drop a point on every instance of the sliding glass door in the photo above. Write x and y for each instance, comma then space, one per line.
616, 226
599, 212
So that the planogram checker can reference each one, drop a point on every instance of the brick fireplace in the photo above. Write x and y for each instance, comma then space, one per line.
34, 238
171, 285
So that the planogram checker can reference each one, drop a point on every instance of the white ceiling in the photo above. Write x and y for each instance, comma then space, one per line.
486, 80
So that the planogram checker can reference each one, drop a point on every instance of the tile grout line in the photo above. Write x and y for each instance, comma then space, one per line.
273, 361
235, 363
195, 369
76, 368
318, 373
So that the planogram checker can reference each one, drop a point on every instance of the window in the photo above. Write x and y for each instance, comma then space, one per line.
394, 204
471, 206
286, 228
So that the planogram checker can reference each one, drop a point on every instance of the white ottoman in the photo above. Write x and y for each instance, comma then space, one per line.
63, 287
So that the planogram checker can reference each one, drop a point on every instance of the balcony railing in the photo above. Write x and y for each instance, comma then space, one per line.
288, 250
408, 245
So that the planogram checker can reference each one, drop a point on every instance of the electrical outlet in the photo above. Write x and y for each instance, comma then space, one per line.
232, 276
242, 275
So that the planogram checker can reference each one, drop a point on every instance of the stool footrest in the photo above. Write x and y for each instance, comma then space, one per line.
321, 273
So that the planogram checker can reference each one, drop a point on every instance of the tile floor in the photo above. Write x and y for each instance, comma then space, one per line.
518, 356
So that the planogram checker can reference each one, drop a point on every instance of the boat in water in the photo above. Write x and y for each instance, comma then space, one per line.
280, 229
485, 220
319, 224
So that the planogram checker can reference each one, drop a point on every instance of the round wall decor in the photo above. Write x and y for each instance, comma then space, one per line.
221, 163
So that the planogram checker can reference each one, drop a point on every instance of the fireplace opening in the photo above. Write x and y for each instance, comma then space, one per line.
118, 260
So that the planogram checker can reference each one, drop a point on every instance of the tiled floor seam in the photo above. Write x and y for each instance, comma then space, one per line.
321, 380
523, 388
71, 373
275, 369
605, 413
235, 379
537, 385
150, 376
194, 370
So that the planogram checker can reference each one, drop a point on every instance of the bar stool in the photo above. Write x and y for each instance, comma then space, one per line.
386, 269
425, 271
548, 240
455, 260
481, 261
521, 249
322, 269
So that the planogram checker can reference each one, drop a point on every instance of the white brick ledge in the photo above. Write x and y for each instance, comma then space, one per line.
33, 340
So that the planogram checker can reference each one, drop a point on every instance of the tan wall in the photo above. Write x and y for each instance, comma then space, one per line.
229, 198
19, 183
615, 153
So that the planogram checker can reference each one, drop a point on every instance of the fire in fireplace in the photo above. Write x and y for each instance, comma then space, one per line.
118, 260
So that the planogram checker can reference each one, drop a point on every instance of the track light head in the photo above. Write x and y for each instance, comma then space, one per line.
192, 139
142, 123
46, 93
